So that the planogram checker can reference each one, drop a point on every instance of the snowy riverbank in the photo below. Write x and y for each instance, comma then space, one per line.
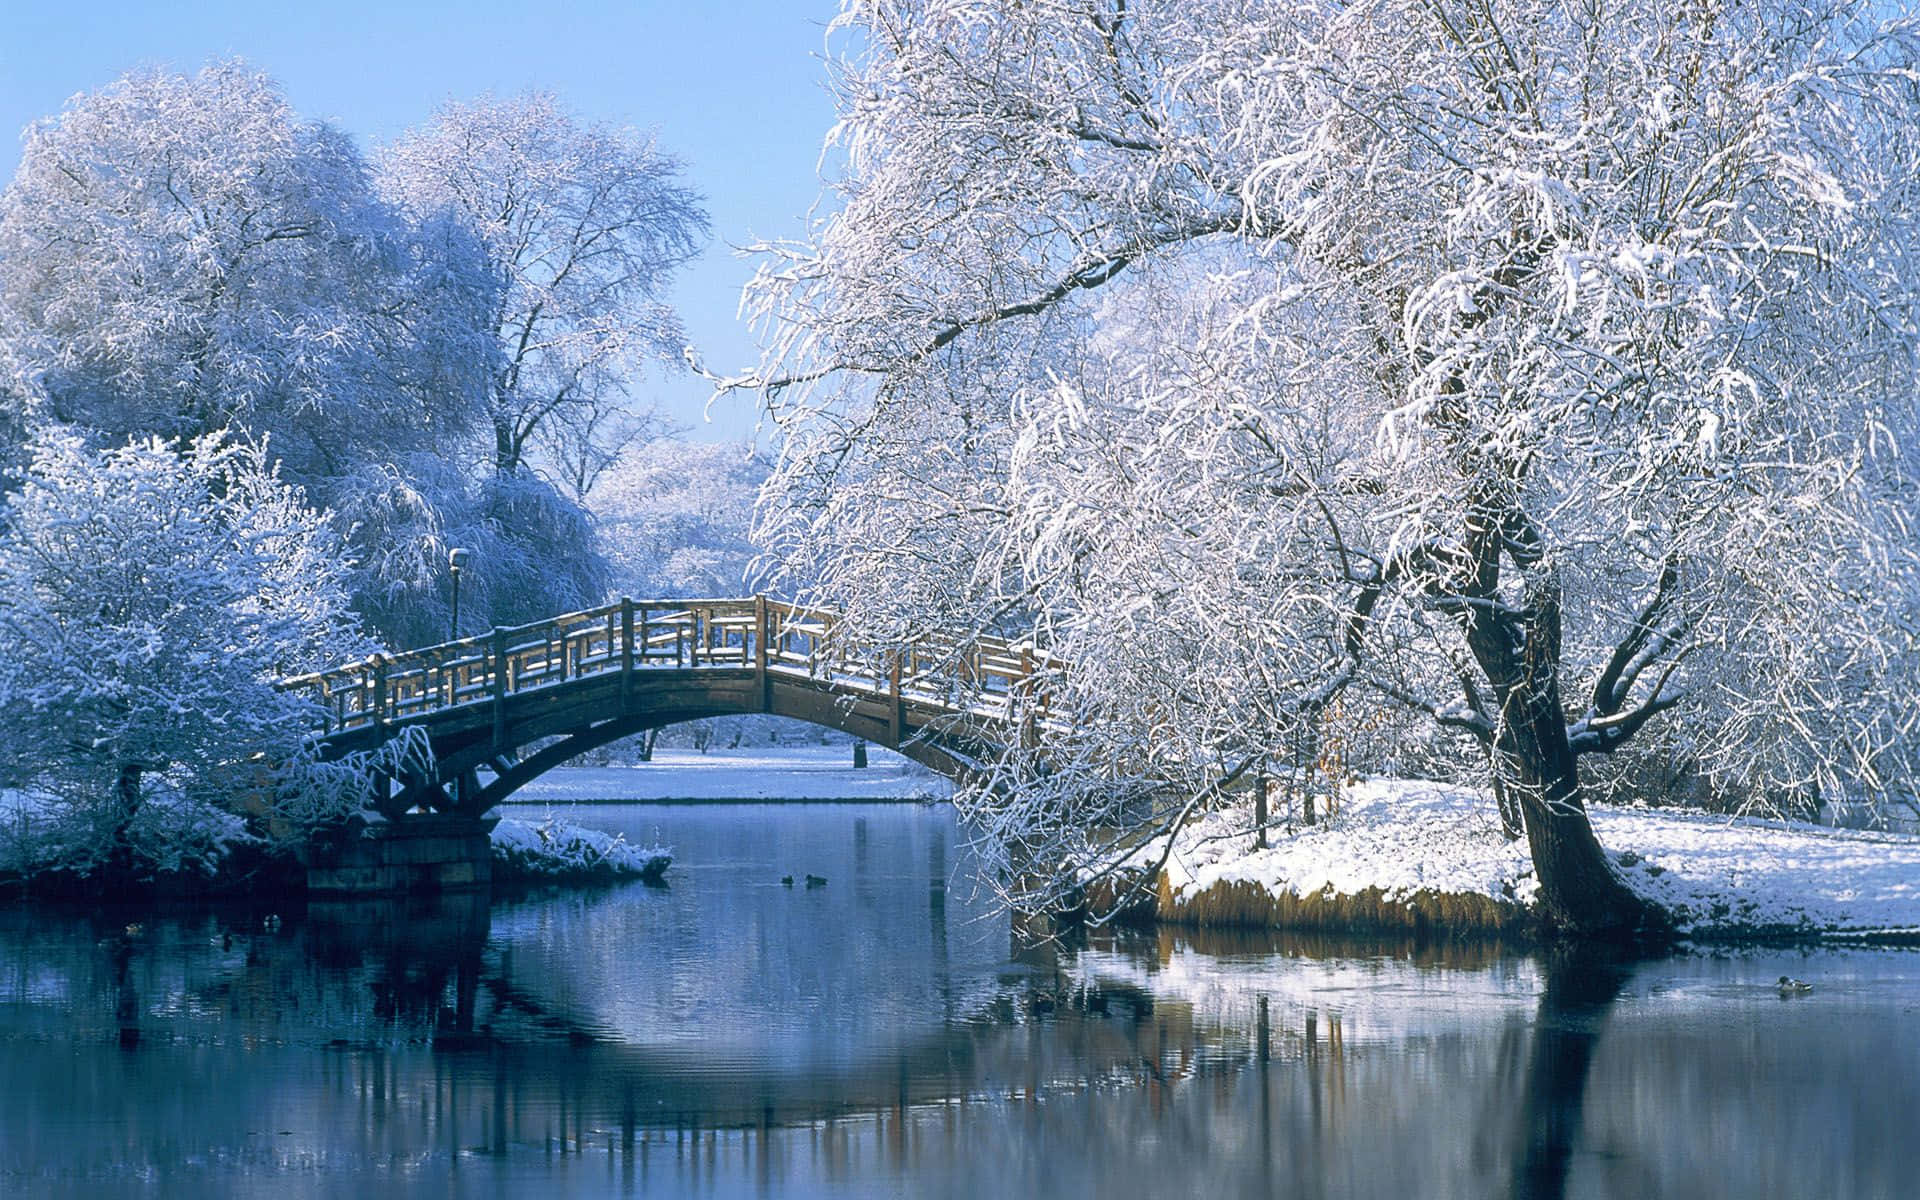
1414, 853
808, 773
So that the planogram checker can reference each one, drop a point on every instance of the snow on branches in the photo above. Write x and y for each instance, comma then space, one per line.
149, 600
584, 225
1543, 368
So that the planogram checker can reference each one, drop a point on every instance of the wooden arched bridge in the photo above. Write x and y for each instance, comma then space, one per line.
501, 708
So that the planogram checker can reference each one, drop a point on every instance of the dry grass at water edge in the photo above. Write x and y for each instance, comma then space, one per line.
1249, 905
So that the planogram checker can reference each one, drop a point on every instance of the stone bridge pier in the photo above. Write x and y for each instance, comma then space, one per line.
420, 854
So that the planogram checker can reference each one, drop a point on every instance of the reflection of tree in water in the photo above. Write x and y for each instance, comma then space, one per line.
1193, 1066
418, 1015
1275, 1094
126, 998
1582, 985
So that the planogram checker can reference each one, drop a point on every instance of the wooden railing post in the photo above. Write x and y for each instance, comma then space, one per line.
499, 689
760, 630
626, 635
626, 652
379, 689
896, 710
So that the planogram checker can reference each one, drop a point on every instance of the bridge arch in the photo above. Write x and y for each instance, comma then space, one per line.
512, 774
516, 702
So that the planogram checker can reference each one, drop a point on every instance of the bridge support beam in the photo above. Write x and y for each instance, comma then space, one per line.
761, 628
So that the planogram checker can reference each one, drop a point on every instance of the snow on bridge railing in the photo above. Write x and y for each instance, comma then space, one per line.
982, 676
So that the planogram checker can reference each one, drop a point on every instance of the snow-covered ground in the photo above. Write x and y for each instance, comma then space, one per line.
764, 773
1718, 872
1720, 875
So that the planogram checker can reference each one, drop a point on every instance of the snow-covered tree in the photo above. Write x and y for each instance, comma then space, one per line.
585, 224
677, 518
181, 254
150, 598
1544, 367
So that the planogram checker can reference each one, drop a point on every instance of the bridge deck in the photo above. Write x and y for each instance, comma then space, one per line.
982, 678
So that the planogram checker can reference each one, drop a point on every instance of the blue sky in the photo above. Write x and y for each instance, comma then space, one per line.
736, 90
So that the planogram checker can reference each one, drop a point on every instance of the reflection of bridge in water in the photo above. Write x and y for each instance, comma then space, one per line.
582, 680
310, 1062
512, 1063
451, 1026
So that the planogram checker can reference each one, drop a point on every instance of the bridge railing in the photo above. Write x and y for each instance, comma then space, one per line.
983, 675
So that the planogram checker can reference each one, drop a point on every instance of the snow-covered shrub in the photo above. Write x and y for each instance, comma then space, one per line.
398, 520
536, 553
314, 793
552, 851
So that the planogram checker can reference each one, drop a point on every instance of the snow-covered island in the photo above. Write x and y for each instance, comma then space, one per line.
546, 849
1408, 854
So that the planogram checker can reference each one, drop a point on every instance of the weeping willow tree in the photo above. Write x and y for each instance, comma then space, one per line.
1542, 368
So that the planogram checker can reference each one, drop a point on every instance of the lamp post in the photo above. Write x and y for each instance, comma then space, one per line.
456, 559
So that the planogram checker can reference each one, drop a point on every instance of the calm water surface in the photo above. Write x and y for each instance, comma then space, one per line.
886, 1034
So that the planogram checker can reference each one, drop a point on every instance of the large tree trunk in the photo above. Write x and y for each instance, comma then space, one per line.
126, 795
1518, 647
1512, 823
1579, 891
506, 448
